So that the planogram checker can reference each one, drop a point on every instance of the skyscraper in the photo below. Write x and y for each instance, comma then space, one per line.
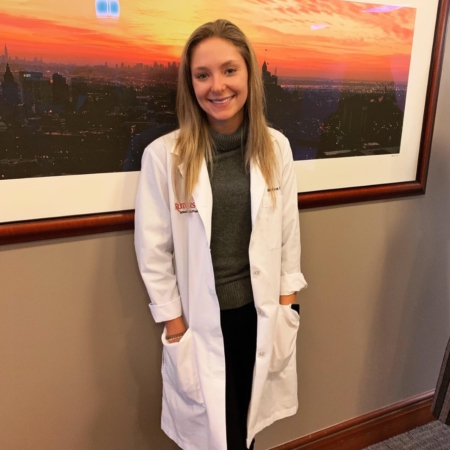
36, 90
60, 90
10, 89
6, 54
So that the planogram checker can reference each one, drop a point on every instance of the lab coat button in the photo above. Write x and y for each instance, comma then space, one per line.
261, 354
256, 273
260, 312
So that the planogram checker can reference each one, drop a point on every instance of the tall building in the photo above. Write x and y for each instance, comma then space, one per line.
268, 78
79, 92
276, 109
36, 90
10, 89
6, 57
8, 77
60, 90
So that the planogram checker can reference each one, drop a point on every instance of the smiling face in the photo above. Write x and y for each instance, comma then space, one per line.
220, 80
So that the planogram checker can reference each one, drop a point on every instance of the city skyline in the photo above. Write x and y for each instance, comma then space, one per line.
309, 39
15, 65
56, 121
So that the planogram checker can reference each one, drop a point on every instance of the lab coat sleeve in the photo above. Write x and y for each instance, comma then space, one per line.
153, 239
292, 279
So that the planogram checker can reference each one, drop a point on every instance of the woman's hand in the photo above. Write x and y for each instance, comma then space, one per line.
175, 327
288, 299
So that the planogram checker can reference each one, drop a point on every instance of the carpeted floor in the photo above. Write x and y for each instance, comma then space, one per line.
433, 436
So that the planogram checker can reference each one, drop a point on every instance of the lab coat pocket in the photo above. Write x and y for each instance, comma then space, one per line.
285, 337
273, 216
179, 368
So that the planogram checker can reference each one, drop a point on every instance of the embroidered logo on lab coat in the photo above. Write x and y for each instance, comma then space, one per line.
182, 208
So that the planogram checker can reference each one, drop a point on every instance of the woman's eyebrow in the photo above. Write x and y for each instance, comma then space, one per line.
200, 68
226, 63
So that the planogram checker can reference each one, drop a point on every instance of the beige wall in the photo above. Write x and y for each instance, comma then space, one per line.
80, 354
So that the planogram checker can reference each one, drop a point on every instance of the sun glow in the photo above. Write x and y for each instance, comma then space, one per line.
310, 38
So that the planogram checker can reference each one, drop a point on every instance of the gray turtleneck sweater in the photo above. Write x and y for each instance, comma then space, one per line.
231, 220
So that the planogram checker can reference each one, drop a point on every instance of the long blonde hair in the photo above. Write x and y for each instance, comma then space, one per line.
194, 143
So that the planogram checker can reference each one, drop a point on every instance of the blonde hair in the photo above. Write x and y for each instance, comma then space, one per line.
194, 143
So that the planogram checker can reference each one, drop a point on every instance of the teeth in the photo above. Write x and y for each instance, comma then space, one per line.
219, 102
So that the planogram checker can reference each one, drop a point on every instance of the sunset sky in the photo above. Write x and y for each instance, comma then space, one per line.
302, 38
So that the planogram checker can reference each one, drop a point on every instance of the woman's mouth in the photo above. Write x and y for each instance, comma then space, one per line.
221, 101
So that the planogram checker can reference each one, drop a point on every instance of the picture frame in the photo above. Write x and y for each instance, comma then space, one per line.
78, 214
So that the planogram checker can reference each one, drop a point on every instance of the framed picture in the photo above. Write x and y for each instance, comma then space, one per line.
83, 91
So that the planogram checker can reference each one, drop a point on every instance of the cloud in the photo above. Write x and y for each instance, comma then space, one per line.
63, 43
319, 26
346, 17
382, 9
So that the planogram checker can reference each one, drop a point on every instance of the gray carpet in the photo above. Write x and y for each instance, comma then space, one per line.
433, 436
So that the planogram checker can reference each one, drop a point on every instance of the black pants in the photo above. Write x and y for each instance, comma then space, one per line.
239, 335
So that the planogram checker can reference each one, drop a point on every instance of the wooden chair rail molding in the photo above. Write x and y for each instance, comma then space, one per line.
369, 429
37, 230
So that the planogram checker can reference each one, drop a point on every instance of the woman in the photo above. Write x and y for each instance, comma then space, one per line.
217, 241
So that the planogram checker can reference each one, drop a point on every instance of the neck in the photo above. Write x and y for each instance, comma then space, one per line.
227, 142
228, 126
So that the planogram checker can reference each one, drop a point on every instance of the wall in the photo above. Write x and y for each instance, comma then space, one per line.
80, 354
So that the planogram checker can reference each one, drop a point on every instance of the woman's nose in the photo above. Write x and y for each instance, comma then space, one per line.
218, 85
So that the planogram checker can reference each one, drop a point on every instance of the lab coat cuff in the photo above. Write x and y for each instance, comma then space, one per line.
166, 311
292, 282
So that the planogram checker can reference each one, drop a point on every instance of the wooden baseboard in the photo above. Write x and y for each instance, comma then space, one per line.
369, 429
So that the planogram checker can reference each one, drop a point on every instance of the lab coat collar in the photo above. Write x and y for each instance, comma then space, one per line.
202, 197
202, 194
257, 188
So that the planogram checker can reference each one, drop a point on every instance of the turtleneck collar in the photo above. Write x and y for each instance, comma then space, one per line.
228, 142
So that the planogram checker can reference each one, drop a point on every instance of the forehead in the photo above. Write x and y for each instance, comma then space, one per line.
214, 52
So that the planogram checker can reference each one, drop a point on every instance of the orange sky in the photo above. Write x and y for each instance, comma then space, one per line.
354, 45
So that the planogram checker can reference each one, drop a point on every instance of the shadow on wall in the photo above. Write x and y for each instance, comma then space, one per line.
412, 306
126, 352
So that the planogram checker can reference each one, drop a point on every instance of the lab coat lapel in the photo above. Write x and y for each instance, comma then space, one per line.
257, 187
202, 196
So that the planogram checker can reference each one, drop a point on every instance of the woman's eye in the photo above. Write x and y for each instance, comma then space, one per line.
230, 71
200, 76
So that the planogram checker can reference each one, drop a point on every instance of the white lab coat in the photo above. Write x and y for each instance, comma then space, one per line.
173, 252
